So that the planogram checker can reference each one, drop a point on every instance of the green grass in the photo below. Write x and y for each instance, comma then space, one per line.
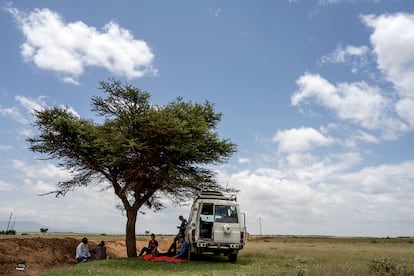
279, 255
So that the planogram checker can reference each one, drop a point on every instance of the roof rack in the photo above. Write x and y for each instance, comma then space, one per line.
214, 195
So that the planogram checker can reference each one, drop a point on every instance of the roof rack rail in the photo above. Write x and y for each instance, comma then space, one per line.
214, 195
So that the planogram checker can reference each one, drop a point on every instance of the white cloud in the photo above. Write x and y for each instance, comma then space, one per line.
313, 85
15, 114
356, 102
358, 57
243, 160
366, 137
309, 169
300, 139
391, 180
38, 187
366, 105
31, 105
41, 171
6, 187
392, 40
364, 200
405, 109
67, 48
88, 208
70, 80
341, 54
71, 110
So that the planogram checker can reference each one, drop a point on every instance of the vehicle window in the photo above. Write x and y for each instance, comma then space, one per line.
226, 213
207, 212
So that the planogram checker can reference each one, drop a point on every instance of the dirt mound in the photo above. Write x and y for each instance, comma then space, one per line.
41, 254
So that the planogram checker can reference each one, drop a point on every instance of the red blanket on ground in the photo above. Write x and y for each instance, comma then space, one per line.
150, 257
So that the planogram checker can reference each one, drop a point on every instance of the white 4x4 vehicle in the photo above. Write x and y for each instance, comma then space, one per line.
216, 225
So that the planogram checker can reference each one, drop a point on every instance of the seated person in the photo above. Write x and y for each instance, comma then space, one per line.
82, 251
99, 252
174, 248
152, 247
183, 253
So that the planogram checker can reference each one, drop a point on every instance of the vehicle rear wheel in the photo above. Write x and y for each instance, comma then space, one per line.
232, 257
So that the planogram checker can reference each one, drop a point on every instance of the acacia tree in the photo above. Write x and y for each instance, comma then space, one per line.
142, 151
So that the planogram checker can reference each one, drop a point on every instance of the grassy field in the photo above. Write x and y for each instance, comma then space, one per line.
279, 255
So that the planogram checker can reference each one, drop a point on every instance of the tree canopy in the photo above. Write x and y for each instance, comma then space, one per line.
143, 151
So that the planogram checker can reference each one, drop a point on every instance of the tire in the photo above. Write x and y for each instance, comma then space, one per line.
227, 228
232, 257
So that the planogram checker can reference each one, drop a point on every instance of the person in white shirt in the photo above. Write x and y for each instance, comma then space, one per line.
82, 251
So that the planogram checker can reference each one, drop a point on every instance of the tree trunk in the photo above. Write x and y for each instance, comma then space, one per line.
130, 238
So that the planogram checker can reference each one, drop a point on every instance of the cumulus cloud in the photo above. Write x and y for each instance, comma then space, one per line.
366, 105
300, 139
363, 198
68, 47
358, 102
324, 190
392, 39
391, 180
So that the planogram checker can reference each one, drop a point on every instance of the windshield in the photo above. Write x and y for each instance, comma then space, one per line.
226, 213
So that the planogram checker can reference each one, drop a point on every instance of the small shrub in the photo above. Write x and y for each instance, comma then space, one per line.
388, 267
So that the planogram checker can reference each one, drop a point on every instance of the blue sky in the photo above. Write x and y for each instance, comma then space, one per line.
318, 96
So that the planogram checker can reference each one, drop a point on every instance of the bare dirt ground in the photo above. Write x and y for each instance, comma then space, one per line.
41, 254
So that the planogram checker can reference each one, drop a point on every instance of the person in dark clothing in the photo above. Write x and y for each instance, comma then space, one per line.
152, 247
99, 252
181, 228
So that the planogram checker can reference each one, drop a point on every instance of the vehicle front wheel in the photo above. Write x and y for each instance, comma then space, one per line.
232, 257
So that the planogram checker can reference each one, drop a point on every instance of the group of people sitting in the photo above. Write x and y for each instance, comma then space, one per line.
178, 249
83, 254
